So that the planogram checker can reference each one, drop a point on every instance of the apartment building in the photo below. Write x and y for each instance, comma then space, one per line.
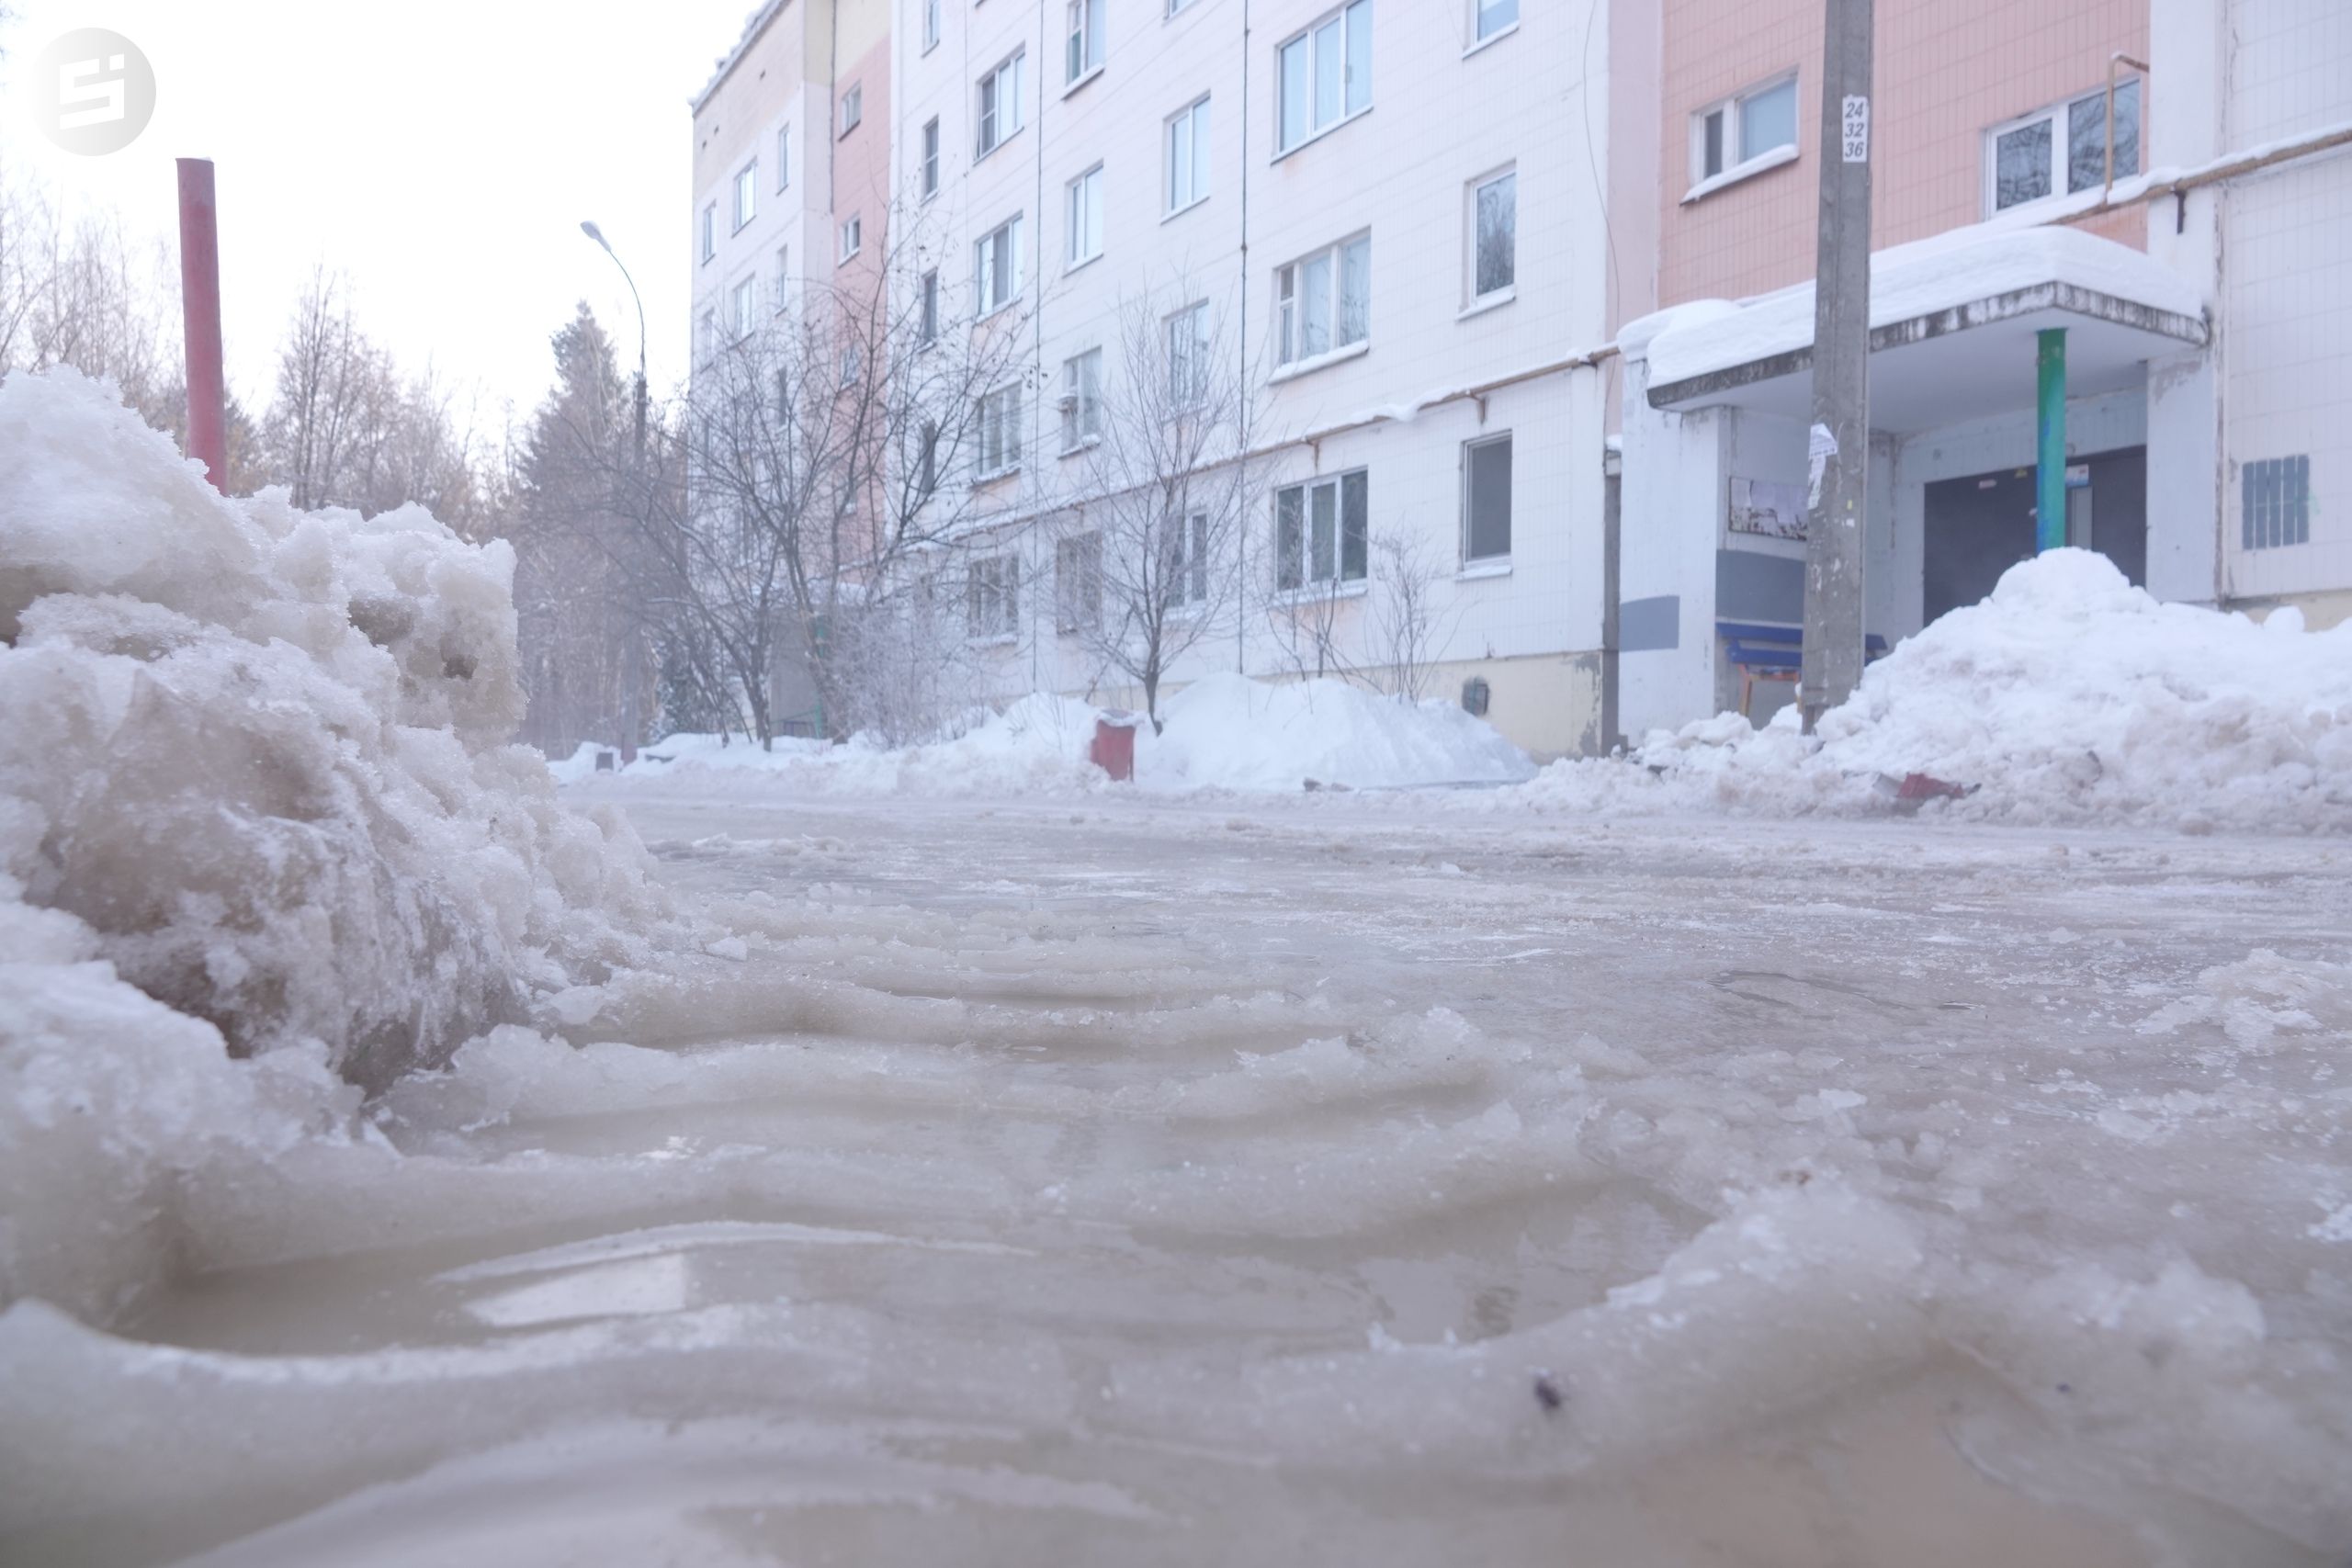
2045, 175
1381, 219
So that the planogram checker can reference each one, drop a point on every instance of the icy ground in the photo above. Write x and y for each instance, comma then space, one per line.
1120, 1181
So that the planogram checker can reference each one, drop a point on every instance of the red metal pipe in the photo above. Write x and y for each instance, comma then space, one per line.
207, 392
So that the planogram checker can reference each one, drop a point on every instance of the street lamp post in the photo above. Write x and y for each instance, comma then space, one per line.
632, 671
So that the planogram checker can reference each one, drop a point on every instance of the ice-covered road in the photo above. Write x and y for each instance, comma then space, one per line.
1319, 1181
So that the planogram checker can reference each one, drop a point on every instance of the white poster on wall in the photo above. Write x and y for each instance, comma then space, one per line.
1771, 510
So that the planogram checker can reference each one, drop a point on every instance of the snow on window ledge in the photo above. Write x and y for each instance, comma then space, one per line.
1298, 367
1491, 40
1092, 73
1080, 449
1292, 598
994, 476
1486, 302
1476, 570
1738, 172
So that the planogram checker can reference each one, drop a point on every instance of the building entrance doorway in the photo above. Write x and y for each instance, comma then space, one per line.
1980, 527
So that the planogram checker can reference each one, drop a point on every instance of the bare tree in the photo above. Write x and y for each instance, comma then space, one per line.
1403, 626
1152, 546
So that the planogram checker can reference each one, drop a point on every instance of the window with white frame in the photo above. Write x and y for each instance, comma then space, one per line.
1322, 531
1083, 53
1185, 579
930, 25
1082, 401
853, 235
853, 363
1323, 76
1188, 156
781, 289
995, 267
930, 158
710, 231
1078, 583
1493, 248
1745, 128
1486, 499
1491, 17
1176, 6
747, 193
784, 158
852, 107
708, 334
997, 447
742, 302
927, 306
2061, 149
1323, 303
1000, 105
1188, 356
1085, 216
992, 607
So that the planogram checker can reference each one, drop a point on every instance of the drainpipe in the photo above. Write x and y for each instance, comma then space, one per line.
2050, 424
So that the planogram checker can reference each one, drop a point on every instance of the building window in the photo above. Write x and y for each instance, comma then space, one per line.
853, 364
710, 334
1323, 303
930, 25
1085, 206
1000, 104
1321, 532
993, 607
927, 307
1082, 400
853, 236
1078, 583
784, 158
783, 276
1753, 124
742, 302
1084, 55
852, 107
1188, 356
927, 462
930, 158
1486, 499
1324, 75
1493, 236
1176, 6
1188, 156
999, 447
996, 268
1186, 579
2278, 502
747, 193
1492, 17
710, 231
2061, 148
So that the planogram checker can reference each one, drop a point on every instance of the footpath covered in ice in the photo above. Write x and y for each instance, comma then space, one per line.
1132, 1178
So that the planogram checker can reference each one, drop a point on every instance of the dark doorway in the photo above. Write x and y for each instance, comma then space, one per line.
1980, 527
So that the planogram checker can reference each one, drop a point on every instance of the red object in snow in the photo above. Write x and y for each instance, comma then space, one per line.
1927, 786
1114, 746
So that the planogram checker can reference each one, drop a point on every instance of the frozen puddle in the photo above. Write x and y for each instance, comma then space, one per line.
1354, 1183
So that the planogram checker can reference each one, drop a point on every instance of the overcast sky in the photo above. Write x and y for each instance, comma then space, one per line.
441, 152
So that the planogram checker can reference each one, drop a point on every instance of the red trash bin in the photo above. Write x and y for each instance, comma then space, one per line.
1115, 745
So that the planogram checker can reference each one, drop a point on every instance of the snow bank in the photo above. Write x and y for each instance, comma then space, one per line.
2067, 695
1228, 733
1224, 732
254, 801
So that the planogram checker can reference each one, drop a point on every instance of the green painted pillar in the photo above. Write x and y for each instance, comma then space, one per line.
2049, 426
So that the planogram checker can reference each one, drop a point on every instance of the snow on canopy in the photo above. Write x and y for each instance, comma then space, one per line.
256, 799
2066, 696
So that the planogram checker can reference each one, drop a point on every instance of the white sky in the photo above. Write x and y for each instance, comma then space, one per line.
441, 152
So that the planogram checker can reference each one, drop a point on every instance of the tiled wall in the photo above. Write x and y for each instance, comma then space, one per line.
1945, 73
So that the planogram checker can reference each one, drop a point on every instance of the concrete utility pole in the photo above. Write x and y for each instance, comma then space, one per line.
1840, 448
208, 393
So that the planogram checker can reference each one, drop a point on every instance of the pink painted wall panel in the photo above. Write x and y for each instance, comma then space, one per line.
1946, 73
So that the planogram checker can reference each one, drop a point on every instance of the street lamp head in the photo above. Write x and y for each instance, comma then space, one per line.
588, 227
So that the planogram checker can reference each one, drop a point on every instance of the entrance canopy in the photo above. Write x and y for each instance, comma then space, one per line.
1952, 330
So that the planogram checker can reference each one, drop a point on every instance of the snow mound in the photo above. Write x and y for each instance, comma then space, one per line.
2068, 695
1227, 731
254, 801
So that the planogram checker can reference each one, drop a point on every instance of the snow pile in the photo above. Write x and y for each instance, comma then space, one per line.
1224, 732
254, 801
1229, 732
2066, 696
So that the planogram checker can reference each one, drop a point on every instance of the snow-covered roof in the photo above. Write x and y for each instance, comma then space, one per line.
1950, 272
